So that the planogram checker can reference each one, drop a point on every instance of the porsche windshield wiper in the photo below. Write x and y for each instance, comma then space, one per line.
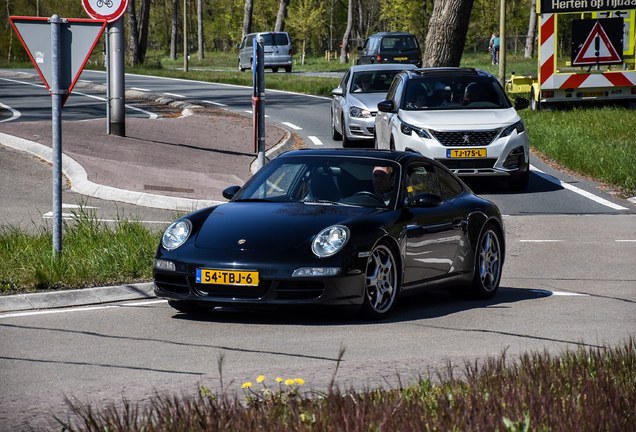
253, 200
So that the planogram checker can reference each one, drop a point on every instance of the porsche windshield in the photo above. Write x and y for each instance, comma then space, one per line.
355, 181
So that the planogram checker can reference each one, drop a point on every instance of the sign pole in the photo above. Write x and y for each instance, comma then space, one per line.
259, 65
56, 121
107, 53
117, 79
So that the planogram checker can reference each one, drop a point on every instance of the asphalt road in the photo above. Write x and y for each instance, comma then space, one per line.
569, 281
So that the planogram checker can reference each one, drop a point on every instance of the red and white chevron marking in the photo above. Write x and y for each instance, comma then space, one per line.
549, 79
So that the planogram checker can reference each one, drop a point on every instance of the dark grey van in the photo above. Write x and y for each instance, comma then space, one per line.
391, 47
277, 49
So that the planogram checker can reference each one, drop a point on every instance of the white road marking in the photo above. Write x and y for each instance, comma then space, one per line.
625, 241
293, 126
540, 241
561, 293
315, 140
579, 191
175, 95
214, 103
140, 89
251, 112
16, 114
78, 309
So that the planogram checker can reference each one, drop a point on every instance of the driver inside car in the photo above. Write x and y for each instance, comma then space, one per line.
383, 179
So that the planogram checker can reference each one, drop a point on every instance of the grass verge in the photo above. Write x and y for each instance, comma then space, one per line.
94, 253
585, 390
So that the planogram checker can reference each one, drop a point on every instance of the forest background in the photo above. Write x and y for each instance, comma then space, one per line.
315, 26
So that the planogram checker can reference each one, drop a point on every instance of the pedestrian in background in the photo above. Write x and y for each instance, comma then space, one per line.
495, 48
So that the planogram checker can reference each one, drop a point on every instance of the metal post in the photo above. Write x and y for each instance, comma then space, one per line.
107, 50
185, 36
260, 65
117, 79
502, 43
56, 121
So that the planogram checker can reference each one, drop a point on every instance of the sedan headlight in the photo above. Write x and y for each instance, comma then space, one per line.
519, 126
176, 234
330, 240
359, 112
407, 129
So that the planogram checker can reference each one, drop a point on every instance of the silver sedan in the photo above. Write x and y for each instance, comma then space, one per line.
354, 103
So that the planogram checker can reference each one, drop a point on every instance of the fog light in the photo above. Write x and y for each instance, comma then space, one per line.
316, 271
164, 265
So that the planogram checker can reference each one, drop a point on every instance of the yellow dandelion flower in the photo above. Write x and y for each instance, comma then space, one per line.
247, 385
289, 381
279, 379
260, 379
300, 381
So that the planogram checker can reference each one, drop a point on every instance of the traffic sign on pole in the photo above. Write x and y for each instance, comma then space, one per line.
109, 10
78, 37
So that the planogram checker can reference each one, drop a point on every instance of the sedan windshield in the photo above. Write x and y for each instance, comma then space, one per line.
363, 182
454, 92
372, 81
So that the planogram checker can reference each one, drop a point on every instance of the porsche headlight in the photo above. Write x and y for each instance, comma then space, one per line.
330, 240
359, 112
176, 234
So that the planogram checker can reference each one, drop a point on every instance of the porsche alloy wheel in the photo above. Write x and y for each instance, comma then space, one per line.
487, 264
382, 283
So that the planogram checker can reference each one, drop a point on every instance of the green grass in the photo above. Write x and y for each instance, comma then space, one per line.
598, 141
93, 253
584, 390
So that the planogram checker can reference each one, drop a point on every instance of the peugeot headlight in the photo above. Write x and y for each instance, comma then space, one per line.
519, 127
407, 129
330, 240
359, 112
176, 234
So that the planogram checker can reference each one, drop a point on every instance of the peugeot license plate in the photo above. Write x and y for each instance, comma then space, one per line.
466, 153
227, 277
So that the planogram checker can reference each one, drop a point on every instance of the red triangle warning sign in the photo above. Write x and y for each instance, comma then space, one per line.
597, 49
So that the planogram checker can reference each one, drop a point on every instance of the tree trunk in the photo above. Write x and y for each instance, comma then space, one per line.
345, 38
282, 14
532, 30
10, 32
133, 34
200, 28
173, 39
247, 18
447, 33
144, 19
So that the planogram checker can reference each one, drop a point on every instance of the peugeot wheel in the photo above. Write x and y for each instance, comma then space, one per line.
382, 283
488, 264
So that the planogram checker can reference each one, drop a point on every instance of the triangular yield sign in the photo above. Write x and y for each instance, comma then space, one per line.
78, 37
590, 55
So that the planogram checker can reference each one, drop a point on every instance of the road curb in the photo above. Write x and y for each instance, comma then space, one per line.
77, 297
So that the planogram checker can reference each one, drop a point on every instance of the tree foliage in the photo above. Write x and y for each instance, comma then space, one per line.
318, 22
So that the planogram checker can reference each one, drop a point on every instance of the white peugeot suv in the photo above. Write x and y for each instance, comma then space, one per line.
460, 117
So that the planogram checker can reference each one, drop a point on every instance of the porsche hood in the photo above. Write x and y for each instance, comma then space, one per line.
270, 226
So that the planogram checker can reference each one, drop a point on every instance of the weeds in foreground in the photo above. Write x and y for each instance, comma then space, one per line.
94, 253
585, 390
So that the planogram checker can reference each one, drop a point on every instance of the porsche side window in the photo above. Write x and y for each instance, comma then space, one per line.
422, 178
450, 186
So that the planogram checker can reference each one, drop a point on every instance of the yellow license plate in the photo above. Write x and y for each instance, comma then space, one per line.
593, 94
227, 277
466, 153
401, 58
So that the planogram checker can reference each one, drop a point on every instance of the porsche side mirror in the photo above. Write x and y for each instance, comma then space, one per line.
337, 92
425, 199
521, 103
229, 192
386, 106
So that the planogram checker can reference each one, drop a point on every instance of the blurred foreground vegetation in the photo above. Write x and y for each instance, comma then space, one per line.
590, 389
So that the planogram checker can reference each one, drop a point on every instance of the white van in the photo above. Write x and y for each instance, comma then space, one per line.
277, 48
